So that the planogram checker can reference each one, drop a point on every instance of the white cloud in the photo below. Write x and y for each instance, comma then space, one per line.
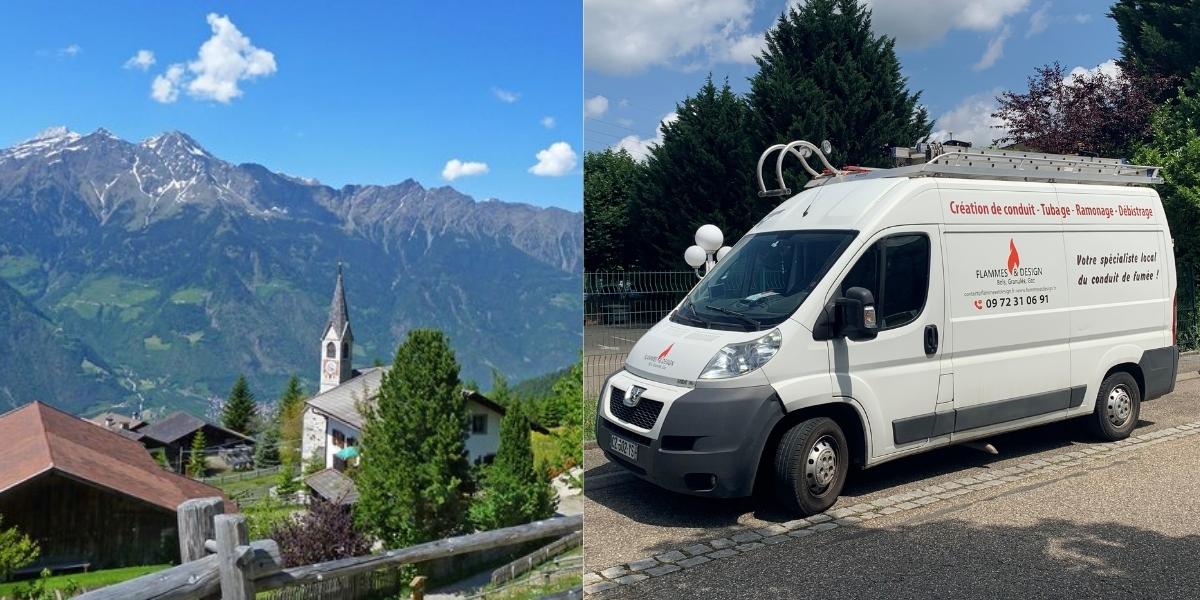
972, 121
555, 161
917, 24
595, 107
456, 168
143, 60
223, 61
639, 147
624, 37
506, 96
1039, 21
165, 87
994, 50
744, 49
70, 51
548, 122
1108, 67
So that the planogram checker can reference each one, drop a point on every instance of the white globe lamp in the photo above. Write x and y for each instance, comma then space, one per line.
722, 252
709, 238
695, 256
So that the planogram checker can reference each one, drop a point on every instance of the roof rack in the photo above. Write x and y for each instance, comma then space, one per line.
944, 160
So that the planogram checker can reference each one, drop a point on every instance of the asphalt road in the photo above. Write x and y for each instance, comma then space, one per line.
1129, 529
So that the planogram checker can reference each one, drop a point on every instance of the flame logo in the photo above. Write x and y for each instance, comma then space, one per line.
666, 352
1014, 259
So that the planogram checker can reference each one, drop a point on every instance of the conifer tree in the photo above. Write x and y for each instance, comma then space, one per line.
415, 481
824, 75
195, 461
702, 172
514, 492
239, 410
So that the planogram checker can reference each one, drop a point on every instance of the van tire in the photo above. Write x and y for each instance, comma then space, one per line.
1118, 405
812, 454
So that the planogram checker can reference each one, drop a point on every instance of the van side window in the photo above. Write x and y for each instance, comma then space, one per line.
896, 271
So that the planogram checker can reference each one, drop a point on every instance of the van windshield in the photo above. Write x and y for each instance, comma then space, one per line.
763, 280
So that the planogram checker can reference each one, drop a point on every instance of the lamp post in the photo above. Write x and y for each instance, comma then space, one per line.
707, 251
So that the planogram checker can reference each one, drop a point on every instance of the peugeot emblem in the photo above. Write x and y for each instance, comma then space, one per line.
633, 397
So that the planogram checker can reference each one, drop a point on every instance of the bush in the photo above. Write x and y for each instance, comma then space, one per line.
16, 550
325, 532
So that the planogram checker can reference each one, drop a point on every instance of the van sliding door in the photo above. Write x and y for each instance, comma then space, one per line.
1011, 329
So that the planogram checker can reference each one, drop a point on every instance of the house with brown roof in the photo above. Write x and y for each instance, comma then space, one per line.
86, 494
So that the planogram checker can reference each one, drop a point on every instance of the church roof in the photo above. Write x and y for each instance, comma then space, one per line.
339, 315
342, 401
40, 439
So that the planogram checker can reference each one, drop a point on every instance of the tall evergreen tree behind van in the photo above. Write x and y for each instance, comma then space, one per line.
825, 76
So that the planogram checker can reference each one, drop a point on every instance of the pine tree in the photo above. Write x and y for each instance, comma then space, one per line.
266, 451
238, 413
568, 393
291, 423
825, 76
195, 461
415, 480
702, 172
514, 492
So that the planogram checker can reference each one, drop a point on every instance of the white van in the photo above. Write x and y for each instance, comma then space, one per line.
883, 313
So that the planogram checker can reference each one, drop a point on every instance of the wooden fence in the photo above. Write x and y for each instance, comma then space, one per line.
219, 560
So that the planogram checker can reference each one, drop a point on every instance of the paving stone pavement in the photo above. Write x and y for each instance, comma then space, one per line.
752, 540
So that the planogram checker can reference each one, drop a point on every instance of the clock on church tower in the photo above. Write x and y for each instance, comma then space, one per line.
337, 341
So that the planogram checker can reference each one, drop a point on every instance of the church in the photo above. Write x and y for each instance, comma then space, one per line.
333, 423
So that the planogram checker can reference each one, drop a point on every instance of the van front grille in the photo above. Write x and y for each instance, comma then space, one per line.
644, 415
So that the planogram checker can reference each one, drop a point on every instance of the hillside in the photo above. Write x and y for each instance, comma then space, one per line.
180, 270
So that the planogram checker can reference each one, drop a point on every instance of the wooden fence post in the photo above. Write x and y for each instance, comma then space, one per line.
418, 587
233, 554
195, 518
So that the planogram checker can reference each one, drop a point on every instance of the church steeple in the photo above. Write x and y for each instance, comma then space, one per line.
337, 342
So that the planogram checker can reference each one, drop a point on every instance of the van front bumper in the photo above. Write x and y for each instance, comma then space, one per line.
709, 440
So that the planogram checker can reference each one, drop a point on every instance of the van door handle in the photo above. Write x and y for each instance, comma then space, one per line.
931, 340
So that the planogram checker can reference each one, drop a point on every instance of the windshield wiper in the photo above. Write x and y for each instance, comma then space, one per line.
734, 313
696, 316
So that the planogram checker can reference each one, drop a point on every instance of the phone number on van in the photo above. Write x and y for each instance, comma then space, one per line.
1010, 301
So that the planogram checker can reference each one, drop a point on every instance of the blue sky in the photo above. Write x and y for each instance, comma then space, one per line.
644, 56
365, 92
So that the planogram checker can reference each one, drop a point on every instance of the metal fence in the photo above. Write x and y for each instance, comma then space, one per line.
1187, 309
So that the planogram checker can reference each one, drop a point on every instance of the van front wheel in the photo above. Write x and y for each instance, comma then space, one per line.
1117, 407
811, 462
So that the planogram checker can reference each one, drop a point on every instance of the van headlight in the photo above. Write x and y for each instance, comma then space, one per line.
739, 359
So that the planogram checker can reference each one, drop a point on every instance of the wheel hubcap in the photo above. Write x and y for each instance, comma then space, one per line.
821, 465
1120, 406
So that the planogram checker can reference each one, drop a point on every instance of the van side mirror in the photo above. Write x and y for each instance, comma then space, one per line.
855, 315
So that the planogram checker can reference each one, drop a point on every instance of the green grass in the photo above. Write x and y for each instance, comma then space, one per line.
155, 343
561, 582
266, 290
108, 290
257, 484
12, 267
191, 295
84, 581
548, 452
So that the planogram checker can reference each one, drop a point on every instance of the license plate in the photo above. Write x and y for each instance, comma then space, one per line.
625, 448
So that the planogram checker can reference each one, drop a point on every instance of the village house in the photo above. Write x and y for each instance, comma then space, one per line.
174, 433
333, 422
90, 497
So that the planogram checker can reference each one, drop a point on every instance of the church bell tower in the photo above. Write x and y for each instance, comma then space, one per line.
337, 342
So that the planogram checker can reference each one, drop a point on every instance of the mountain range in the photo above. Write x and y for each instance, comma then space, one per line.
154, 273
